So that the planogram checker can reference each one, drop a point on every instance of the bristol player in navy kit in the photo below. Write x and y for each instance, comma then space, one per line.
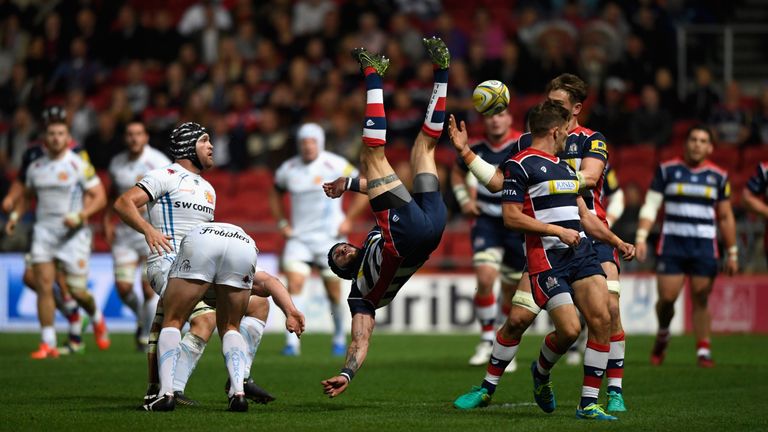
696, 195
496, 250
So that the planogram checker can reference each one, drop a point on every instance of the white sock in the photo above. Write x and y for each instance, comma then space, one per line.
96, 317
339, 336
234, 349
291, 338
48, 335
132, 302
251, 328
167, 357
192, 348
148, 314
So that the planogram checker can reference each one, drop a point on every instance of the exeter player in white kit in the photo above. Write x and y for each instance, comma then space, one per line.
177, 200
68, 192
129, 250
218, 258
316, 223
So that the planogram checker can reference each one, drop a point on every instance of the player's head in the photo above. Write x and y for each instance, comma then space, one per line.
549, 119
136, 137
497, 125
698, 145
569, 90
191, 141
311, 141
56, 130
344, 260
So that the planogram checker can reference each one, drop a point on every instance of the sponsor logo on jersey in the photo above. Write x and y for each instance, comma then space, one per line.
225, 233
598, 146
63, 176
193, 206
185, 266
573, 148
563, 186
171, 171
209, 197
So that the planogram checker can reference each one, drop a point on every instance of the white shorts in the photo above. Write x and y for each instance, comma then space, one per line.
217, 253
72, 248
157, 273
129, 246
312, 251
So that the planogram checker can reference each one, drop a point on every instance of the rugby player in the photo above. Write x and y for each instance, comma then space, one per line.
696, 196
409, 225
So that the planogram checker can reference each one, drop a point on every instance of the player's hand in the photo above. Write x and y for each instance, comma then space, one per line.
109, 233
458, 133
569, 237
158, 242
294, 322
73, 220
627, 251
335, 188
286, 231
345, 227
470, 208
731, 266
335, 386
10, 227
641, 251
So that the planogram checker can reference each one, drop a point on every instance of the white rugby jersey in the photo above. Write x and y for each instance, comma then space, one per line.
312, 213
125, 172
179, 200
59, 185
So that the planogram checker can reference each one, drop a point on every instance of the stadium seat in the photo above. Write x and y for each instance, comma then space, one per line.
670, 151
639, 157
728, 158
751, 156
253, 179
221, 181
640, 176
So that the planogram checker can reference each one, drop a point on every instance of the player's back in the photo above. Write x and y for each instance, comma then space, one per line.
312, 214
179, 201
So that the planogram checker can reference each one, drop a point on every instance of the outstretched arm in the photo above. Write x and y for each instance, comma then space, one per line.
362, 328
337, 187
265, 285
516, 220
491, 177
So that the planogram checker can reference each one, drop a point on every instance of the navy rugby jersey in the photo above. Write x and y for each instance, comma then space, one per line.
489, 203
611, 183
548, 189
582, 143
691, 195
758, 185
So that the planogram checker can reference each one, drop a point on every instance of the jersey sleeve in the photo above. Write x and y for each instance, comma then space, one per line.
724, 189
758, 183
29, 156
156, 183
658, 182
87, 173
515, 180
281, 177
611, 183
595, 147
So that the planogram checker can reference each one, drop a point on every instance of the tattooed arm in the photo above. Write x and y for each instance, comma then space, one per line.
362, 328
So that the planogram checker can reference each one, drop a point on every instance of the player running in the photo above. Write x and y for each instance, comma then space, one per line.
316, 223
541, 198
497, 251
129, 250
221, 258
409, 226
68, 192
696, 195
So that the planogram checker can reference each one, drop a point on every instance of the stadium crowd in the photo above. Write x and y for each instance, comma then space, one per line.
254, 71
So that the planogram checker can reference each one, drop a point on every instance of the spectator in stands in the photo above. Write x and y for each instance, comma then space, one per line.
16, 92
15, 140
77, 71
197, 17
308, 16
166, 40
160, 118
13, 39
119, 107
760, 119
128, 39
246, 41
409, 38
369, 34
266, 144
703, 97
651, 124
104, 142
453, 36
55, 45
636, 66
510, 72
82, 118
731, 120
136, 89
610, 114
665, 84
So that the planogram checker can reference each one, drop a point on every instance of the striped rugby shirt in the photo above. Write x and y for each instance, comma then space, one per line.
582, 143
179, 200
758, 185
690, 196
489, 203
548, 189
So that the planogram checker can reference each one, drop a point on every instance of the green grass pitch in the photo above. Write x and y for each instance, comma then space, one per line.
408, 383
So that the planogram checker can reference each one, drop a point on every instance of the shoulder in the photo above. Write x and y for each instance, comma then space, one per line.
670, 163
716, 169
118, 160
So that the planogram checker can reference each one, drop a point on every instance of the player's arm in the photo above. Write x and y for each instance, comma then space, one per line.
276, 207
596, 229
336, 188
726, 223
362, 329
25, 195
490, 176
516, 220
755, 203
466, 200
94, 200
653, 200
615, 207
265, 285
15, 192
590, 172
127, 207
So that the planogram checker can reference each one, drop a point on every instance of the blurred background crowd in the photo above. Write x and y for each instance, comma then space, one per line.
252, 71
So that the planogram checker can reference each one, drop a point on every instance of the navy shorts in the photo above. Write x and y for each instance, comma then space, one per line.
694, 266
556, 284
415, 228
606, 253
489, 232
